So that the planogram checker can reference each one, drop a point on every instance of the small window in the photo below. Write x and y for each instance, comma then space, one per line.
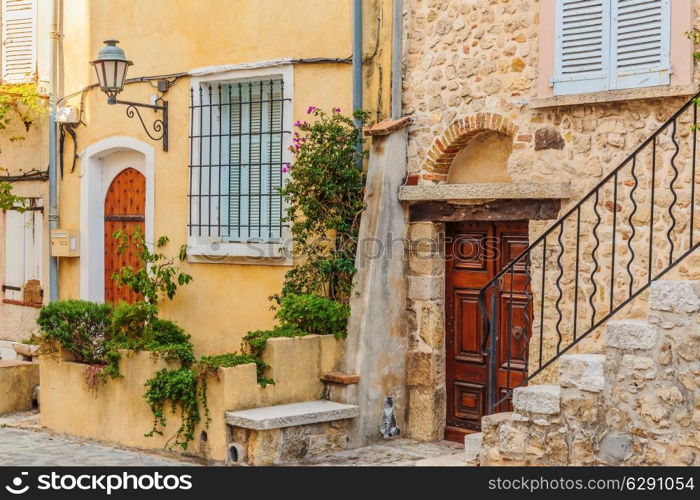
611, 44
238, 153
23, 252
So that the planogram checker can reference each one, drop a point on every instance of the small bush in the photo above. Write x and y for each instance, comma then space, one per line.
79, 326
312, 314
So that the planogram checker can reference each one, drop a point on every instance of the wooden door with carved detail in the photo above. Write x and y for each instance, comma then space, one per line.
125, 210
476, 252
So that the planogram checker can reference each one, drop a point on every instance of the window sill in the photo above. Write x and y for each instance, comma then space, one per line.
255, 254
21, 303
614, 96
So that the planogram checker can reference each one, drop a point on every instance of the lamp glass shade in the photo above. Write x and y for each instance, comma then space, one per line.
111, 75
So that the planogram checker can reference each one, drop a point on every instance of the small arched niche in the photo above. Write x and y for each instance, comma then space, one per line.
483, 159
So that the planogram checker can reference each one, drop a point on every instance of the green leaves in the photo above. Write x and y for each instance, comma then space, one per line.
314, 315
157, 274
8, 200
324, 195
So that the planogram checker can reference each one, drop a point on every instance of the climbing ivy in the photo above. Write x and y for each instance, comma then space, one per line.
185, 390
23, 102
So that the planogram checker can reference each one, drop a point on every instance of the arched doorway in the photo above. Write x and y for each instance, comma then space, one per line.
124, 210
101, 163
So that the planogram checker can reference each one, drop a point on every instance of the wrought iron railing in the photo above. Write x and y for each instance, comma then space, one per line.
632, 228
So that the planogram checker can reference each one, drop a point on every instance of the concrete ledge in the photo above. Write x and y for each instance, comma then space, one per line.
614, 96
545, 399
630, 335
291, 415
486, 191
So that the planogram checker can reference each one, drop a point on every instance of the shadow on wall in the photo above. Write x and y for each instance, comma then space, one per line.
483, 159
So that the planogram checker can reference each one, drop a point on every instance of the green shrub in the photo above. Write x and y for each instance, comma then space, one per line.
130, 321
312, 314
79, 326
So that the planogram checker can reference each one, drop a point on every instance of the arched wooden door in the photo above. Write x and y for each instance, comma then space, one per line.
125, 210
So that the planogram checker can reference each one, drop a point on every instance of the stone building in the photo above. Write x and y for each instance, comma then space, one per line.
526, 117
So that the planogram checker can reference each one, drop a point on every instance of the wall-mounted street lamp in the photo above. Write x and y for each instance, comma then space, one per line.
111, 67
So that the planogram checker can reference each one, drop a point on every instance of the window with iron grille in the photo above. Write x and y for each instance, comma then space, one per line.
238, 150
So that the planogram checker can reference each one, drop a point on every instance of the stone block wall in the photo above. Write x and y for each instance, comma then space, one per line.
472, 66
639, 404
426, 329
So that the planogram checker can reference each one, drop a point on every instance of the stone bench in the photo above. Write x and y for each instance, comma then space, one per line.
282, 433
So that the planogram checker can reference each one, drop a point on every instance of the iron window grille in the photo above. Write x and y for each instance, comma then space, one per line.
237, 151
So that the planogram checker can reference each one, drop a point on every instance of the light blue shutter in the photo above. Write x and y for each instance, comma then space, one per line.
582, 46
641, 43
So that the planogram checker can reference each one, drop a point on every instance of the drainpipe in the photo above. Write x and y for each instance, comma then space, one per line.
357, 67
396, 57
53, 177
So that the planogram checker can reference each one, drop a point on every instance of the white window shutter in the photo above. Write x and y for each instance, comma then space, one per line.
33, 230
14, 254
19, 39
641, 43
582, 46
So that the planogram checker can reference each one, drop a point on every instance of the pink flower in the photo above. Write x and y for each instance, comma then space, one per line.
311, 110
337, 110
285, 168
297, 123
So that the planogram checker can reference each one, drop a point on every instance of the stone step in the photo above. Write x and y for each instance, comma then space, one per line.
582, 371
675, 296
472, 448
544, 399
291, 415
630, 334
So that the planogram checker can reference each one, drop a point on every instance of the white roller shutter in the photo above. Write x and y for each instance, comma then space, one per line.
18, 40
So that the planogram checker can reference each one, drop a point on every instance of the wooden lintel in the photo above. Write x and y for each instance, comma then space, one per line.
441, 211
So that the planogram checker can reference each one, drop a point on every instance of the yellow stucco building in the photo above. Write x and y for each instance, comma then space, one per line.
209, 53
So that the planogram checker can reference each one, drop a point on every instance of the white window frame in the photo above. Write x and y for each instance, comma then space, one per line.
214, 249
609, 77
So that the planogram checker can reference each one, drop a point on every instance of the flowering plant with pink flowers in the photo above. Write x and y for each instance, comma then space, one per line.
324, 193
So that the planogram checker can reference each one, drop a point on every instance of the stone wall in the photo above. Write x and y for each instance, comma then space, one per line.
426, 328
472, 66
639, 404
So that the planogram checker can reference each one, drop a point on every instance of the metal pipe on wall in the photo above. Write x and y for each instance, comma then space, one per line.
53, 175
396, 60
357, 56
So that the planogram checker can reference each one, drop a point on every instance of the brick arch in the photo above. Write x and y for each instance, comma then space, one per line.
457, 135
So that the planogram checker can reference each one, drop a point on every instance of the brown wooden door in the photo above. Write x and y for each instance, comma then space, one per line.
476, 251
125, 209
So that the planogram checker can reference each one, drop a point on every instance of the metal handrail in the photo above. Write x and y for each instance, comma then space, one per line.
490, 339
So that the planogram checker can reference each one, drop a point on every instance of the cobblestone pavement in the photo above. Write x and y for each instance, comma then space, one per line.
397, 452
23, 442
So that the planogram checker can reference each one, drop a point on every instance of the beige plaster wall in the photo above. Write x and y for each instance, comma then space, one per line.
116, 411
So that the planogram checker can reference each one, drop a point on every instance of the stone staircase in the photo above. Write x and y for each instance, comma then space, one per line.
638, 403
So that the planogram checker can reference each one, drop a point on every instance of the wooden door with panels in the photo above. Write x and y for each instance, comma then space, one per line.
476, 252
124, 210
